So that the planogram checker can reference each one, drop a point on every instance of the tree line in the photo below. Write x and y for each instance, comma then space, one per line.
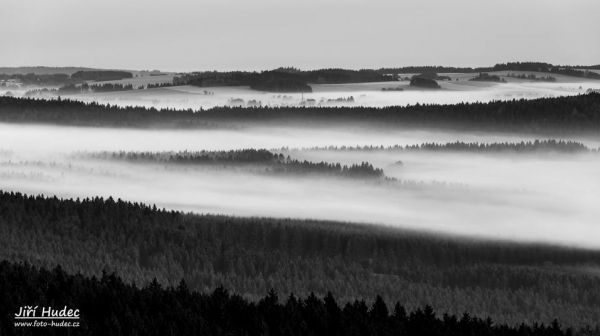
485, 77
271, 162
272, 81
578, 114
424, 82
536, 146
282, 79
101, 75
533, 77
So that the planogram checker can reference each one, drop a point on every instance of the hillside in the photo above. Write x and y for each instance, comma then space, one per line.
521, 282
108, 306
43, 70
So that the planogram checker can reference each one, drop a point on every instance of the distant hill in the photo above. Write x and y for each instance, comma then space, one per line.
511, 66
42, 70
103, 75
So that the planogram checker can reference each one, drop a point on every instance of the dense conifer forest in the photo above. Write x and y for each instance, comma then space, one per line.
103, 75
558, 116
511, 282
110, 306
281, 79
485, 77
272, 81
529, 147
424, 83
260, 160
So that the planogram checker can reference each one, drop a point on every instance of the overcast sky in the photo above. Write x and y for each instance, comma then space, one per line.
186, 35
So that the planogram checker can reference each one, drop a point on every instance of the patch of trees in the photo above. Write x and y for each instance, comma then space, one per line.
271, 163
425, 69
424, 82
214, 78
343, 76
485, 77
41, 80
41, 93
101, 75
533, 77
392, 89
272, 81
108, 305
578, 114
83, 88
277, 81
110, 87
282, 79
335, 101
159, 85
510, 282
537, 146
72, 89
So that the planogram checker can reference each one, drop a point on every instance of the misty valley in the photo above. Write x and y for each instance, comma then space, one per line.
450, 210
518, 190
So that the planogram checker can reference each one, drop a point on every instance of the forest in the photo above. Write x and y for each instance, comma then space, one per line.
485, 77
511, 282
533, 77
260, 160
548, 116
155, 309
529, 147
101, 75
272, 81
424, 83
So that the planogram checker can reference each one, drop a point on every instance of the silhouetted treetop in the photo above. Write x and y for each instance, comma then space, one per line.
110, 306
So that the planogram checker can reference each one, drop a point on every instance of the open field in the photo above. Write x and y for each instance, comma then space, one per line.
364, 94
457, 90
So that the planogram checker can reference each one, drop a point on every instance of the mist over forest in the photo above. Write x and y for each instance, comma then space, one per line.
441, 187
505, 195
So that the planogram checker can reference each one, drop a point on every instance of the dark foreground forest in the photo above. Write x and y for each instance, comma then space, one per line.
558, 116
510, 282
109, 306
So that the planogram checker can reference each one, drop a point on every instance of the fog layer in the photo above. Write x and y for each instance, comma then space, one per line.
550, 198
457, 90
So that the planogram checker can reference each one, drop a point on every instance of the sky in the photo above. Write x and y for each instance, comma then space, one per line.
201, 35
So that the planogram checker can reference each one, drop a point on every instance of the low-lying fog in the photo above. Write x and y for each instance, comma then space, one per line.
363, 94
550, 198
